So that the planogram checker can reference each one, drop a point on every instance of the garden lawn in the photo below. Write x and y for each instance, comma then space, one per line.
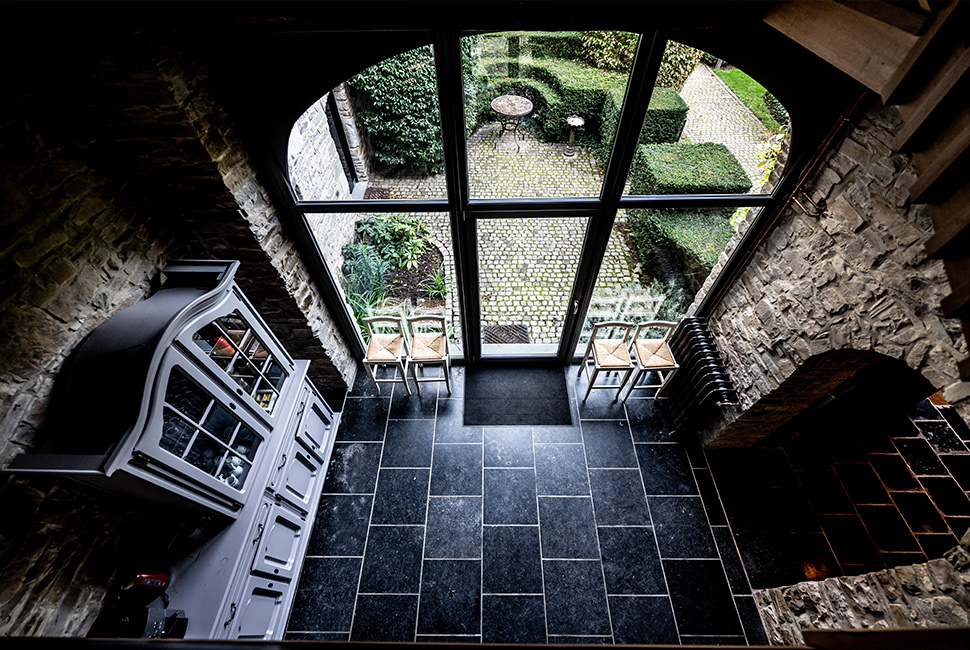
751, 93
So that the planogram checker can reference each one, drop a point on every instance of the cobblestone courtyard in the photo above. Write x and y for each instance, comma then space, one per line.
527, 266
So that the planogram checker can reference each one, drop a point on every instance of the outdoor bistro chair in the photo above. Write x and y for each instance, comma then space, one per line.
652, 355
607, 354
387, 347
429, 347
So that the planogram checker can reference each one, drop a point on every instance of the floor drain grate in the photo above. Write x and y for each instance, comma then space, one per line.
504, 334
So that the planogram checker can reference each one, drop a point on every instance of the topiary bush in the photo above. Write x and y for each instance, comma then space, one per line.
687, 168
666, 117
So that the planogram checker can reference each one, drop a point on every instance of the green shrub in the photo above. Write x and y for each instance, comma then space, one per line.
555, 45
364, 270
609, 50
679, 61
683, 241
397, 239
687, 168
665, 117
776, 109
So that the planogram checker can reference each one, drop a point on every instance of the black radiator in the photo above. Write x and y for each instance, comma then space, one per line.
702, 382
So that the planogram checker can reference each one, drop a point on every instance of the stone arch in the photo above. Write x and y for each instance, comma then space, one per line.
869, 376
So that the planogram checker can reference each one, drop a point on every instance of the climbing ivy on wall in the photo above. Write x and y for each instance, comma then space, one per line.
615, 51
397, 107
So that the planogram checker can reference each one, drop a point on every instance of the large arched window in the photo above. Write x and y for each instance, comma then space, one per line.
529, 184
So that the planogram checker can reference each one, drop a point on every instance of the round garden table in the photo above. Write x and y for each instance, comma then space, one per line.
511, 109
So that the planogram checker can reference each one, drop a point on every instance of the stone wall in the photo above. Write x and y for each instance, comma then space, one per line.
141, 167
936, 593
849, 274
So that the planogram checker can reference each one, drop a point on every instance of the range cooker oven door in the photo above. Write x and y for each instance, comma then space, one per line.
200, 432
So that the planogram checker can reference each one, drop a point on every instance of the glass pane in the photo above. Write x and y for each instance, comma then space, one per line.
223, 340
541, 110
391, 263
176, 433
206, 454
376, 136
246, 442
527, 270
220, 423
709, 129
657, 261
265, 395
234, 472
184, 395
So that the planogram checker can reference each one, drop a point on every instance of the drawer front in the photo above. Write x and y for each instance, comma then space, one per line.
260, 613
316, 431
280, 544
299, 476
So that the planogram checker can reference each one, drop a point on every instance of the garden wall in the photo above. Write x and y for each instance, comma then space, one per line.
851, 275
98, 194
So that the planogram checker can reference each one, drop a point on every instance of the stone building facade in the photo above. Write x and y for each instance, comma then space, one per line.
840, 282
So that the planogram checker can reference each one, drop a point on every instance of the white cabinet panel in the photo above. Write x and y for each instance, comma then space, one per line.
277, 552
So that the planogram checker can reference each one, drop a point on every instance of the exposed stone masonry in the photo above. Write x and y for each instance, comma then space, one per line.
921, 595
850, 276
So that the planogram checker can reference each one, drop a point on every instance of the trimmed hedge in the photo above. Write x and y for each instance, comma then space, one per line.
691, 240
687, 168
666, 117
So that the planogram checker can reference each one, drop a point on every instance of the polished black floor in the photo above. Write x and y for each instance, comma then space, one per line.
602, 531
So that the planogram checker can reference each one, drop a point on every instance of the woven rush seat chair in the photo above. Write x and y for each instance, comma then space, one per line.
387, 347
429, 347
607, 354
652, 355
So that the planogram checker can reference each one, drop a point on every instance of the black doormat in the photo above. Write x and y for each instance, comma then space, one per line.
517, 396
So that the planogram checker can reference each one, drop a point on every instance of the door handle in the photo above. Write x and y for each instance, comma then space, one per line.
575, 307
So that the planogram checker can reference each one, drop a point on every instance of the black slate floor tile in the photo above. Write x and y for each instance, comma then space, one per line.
414, 406
888, 529
608, 444
631, 562
510, 496
567, 528
649, 420
401, 497
920, 457
947, 495
861, 483
508, 447
849, 539
681, 527
919, 512
702, 601
643, 620
408, 443
513, 619
363, 419
959, 525
959, 466
894, 472
941, 437
825, 492
392, 560
958, 424
385, 618
325, 599
561, 470
353, 468
733, 568
557, 434
618, 498
449, 423
925, 410
712, 640
451, 597
575, 598
935, 545
511, 561
317, 636
600, 405
580, 640
666, 469
341, 525
710, 497
454, 528
456, 469
754, 629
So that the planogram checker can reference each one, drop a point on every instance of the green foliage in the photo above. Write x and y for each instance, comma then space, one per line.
679, 61
666, 117
752, 94
687, 168
434, 285
676, 299
397, 239
776, 109
609, 50
397, 107
363, 272
690, 239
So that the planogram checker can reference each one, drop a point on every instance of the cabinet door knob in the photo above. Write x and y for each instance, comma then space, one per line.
232, 615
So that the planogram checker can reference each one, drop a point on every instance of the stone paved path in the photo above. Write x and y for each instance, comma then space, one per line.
529, 265
717, 115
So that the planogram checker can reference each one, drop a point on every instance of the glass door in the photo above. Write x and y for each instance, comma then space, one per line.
526, 273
